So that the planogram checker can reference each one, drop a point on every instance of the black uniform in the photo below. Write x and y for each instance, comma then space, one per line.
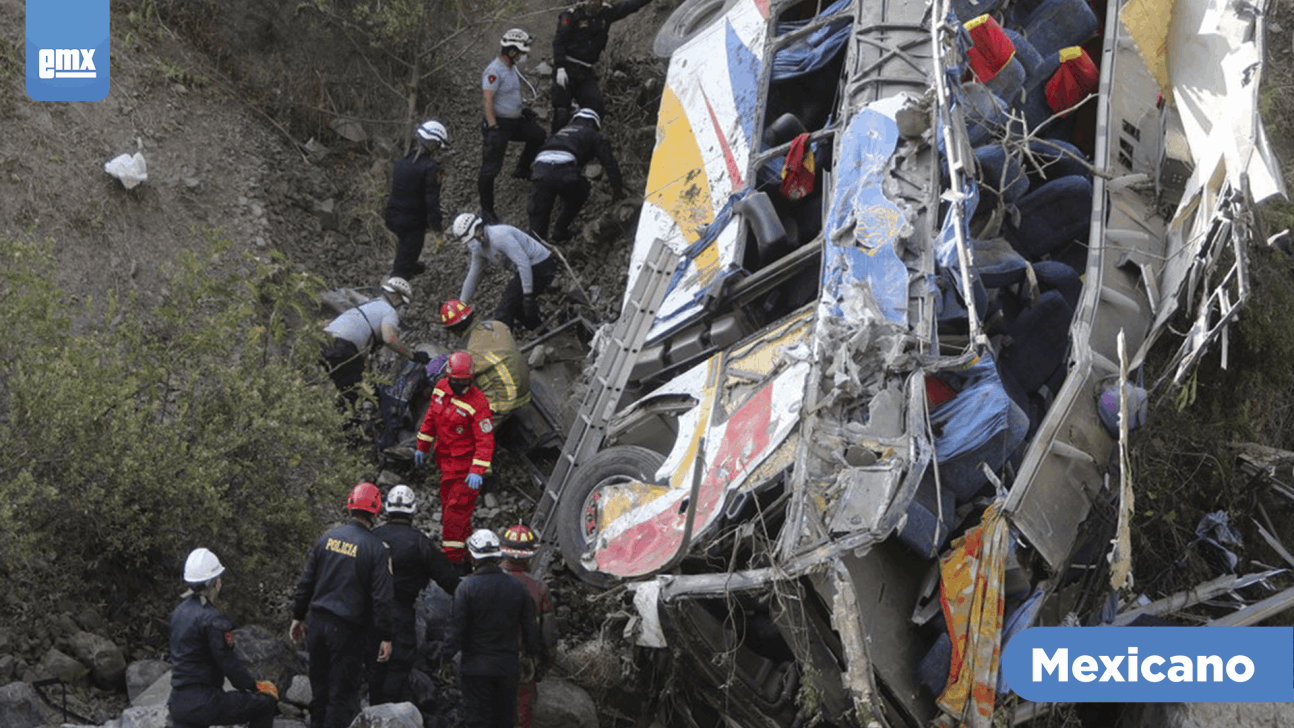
491, 611
346, 587
577, 46
202, 656
582, 142
412, 208
415, 561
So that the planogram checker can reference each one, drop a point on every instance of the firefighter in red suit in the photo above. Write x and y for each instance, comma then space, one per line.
460, 424
519, 547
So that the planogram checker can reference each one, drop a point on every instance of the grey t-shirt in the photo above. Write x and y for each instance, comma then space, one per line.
506, 245
362, 325
505, 82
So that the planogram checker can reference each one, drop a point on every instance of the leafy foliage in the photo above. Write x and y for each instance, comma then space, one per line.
129, 436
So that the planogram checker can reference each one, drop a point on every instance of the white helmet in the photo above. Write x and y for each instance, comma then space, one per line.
400, 286
201, 567
466, 226
589, 114
400, 500
517, 38
433, 132
484, 544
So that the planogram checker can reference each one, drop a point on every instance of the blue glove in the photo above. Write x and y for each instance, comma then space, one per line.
418, 457
473, 481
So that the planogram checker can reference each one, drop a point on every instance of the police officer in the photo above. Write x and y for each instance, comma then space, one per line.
344, 591
360, 331
415, 561
519, 546
461, 426
202, 657
534, 267
559, 169
506, 118
497, 365
413, 207
493, 614
577, 45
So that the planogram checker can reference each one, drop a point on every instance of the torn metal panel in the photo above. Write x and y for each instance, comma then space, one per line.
1203, 592
1255, 613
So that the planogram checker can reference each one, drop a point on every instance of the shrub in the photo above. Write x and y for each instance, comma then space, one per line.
130, 435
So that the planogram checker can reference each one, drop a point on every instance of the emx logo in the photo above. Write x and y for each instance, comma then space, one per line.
67, 63
68, 46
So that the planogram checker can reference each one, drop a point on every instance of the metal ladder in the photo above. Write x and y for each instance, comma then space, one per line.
610, 376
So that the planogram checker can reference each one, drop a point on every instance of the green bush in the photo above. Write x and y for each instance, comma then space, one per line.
130, 434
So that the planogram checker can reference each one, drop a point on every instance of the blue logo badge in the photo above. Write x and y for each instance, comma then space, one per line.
68, 48
1152, 664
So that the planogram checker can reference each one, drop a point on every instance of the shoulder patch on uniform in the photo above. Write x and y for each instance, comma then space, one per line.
492, 78
566, 19
486, 426
229, 639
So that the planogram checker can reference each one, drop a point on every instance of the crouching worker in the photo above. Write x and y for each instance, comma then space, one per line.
497, 365
202, 656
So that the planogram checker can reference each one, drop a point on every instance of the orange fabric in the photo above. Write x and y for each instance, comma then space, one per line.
1073, 81
992, 49
797, 172
970, 589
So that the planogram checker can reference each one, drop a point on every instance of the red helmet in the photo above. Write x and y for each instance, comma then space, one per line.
453, 312
519, 542
365, 497
460, 366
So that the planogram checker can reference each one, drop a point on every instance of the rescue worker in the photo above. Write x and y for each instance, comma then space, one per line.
203, 656
461, 426
506, 118
559, 172
519, 546
345, 590
413, 207
534, 267
358, 333
415, 561
497, 365
577, 45
493, 618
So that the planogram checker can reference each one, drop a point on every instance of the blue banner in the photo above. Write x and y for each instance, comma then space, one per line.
1152, 664
68, 49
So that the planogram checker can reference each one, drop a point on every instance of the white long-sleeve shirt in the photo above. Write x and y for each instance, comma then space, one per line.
500, 245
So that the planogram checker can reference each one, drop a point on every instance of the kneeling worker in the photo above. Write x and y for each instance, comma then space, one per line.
497, 365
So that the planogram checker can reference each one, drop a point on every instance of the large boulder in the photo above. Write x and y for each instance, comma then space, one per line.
389, 715
105, 659
269, 655
62, 666
141, 674
21, 707
562, 704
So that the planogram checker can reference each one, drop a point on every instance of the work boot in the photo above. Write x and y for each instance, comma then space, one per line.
489, 218
560, 236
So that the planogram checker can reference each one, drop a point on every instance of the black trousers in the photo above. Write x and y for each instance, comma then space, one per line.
388, 682
200, 706
582, 88
408, 248
510, 308
550, 183
345, 368
336, 649
490, 701
494, 147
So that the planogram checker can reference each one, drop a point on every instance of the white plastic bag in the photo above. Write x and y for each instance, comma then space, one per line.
131, 169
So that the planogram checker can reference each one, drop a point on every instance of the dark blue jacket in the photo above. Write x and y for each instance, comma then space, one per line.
492, 612
348, 573
582, 35
202, 647
586, 142
415, 194
415, 560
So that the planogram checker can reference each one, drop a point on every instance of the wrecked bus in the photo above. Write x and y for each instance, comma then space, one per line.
894, 282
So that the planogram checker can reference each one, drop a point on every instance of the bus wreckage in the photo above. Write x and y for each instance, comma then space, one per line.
892, 291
